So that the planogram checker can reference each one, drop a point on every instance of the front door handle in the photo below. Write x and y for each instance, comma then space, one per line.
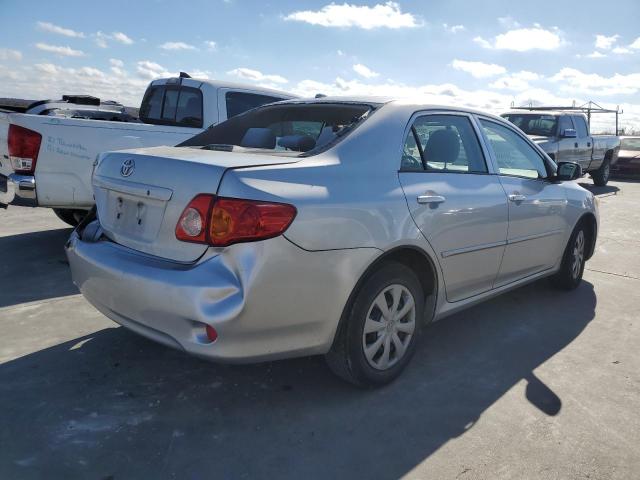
428, 199
516, 197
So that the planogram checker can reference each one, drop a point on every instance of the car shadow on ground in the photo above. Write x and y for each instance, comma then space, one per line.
114, 405
600, 191
38, 268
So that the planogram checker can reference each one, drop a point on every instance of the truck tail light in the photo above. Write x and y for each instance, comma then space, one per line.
220, 221
24, 145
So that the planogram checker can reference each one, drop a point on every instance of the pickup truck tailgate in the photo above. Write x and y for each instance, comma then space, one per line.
141, 194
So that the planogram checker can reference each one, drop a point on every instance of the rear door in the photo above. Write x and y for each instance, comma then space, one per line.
537, 223
459, 206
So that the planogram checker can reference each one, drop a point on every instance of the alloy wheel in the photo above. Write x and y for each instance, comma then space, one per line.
578, 254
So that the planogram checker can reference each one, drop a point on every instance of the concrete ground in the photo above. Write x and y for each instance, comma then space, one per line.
536, 384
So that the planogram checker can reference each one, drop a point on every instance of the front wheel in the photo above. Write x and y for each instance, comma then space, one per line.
381, 328
570, 274
601, 176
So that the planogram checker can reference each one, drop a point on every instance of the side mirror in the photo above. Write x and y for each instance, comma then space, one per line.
569, 133
568, 171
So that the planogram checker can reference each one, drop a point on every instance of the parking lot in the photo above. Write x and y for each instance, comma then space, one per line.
533, 384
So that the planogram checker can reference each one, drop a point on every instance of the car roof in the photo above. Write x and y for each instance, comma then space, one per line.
408, 105
541, 112
222, 84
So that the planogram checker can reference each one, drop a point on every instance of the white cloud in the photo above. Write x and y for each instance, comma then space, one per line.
605, 43
256, 76
573, 80
9, 54
478, 69
621, 50
364, 71
340, 53
524, 39
453, 28
116, 63
211, 45
596, 54
51, 28
517, 82
101, 38
122, 38
387, 15
59, 50
177, 46
151, 70
635, 44
508, 22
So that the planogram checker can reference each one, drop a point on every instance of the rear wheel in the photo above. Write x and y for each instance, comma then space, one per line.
570, 274
70, 216
601, 176
381, 328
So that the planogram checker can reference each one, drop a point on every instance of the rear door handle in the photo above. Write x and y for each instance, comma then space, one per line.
425, 199
516, 197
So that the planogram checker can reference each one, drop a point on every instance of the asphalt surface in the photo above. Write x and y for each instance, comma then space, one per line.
536, 384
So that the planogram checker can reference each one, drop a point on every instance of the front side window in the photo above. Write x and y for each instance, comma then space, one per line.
581, 126
565, 123
514, 155
445, 143
172, 105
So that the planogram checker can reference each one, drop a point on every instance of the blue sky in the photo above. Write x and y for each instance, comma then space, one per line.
482, 54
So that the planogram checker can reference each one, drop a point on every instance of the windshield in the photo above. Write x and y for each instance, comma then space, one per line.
630, 144
533, 124
295, 127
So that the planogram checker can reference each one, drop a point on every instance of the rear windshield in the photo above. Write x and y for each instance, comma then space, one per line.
304, 127
534, 124
172, 105
630, 144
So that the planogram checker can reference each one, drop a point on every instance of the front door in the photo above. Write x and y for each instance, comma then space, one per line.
536, 206
459, 207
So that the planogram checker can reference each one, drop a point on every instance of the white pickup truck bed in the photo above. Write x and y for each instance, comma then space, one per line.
68, 147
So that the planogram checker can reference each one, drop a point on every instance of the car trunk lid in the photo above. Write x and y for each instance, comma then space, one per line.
141, 194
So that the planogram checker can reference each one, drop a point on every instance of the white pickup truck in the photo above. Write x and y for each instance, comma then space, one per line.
46, 160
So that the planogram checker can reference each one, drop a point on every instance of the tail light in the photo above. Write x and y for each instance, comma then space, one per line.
24, 145
220, 221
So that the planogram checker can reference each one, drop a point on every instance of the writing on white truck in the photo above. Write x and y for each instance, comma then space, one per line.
46, 160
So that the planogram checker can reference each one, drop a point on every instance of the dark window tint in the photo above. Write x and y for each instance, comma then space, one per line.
564, 123
534, 124
240, 102
172, 105
581, 126
515, 156
445, 143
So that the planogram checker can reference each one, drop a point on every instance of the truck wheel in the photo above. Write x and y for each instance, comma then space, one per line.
70, 216
382, 328
601, 176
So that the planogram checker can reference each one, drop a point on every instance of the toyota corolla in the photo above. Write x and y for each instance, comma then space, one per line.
331, 226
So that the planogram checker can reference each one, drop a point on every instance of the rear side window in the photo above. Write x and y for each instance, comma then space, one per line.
581, 126
172, 105
513, 154
445, 143
240, 102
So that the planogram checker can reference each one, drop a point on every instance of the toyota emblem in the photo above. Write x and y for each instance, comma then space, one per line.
127, 168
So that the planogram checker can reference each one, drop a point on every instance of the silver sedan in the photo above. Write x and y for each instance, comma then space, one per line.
331, 226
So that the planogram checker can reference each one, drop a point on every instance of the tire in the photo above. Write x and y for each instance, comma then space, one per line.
70, 216
570, 274
354, 355
601, 176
